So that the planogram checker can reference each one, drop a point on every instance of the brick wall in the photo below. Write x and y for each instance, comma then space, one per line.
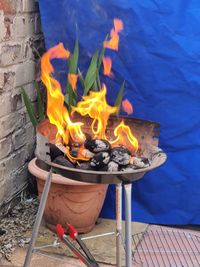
19, 31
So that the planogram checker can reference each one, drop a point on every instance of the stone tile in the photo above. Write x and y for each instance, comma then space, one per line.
102, 248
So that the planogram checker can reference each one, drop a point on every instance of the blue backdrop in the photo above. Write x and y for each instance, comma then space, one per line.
159, 57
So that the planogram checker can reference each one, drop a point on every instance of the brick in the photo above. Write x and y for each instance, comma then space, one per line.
11, 122
19, 138
14, 182
10, 54
5, 147
2, 26
25, 73
38, 27
12, 163
8, 6
29, 6
16, 97
6, 79
24, 137
5, 104
23, 25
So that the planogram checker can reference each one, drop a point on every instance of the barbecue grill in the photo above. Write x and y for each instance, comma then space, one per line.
147, 133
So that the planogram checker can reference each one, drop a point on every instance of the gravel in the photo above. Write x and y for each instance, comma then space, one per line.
14, 227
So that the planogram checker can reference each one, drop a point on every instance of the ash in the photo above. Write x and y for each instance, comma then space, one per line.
14, 227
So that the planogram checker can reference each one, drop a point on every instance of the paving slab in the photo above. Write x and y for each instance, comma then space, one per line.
102, 248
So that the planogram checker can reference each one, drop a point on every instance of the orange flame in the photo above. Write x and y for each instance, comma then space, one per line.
72, 78
107, 65
96, 107
113, 43
127, 106
125, 137
56, 111
118, 25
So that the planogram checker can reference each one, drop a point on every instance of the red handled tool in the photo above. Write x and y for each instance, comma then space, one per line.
87, 257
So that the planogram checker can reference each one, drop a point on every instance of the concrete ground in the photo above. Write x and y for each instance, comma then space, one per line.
102, 248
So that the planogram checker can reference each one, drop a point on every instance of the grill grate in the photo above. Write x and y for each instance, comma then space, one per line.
166, 247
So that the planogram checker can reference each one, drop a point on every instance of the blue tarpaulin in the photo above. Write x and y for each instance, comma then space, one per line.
159, 57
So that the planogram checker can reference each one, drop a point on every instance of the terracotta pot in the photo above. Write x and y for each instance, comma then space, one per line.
70, 201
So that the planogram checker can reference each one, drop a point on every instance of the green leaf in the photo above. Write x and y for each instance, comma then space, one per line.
29, 107
101, 55
40, 104
95, 86
91, 73
73, 60
81, 78
118, 100
98, 81
70, 97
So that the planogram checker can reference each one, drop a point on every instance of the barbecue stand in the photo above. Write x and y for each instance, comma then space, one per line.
144, 131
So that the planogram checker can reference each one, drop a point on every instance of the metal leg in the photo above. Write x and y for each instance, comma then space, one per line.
119, 224
38, 219
128, 235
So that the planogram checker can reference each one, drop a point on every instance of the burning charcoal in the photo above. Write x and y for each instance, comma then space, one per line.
140, 162
97, 145
54, 151
100, 160
87, 153
84, 166
120, 155
61, 160
112, 166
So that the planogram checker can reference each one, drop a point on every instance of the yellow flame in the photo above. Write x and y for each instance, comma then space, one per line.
56, 111
95, 106
125, 137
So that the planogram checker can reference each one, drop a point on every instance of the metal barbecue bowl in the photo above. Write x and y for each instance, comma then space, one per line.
157, 158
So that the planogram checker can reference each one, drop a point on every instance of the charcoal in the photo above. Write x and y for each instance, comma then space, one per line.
100, 160
120, 155
140, 162
54, 151
97, 145
112, 166
84, 166
87, 153
61, 160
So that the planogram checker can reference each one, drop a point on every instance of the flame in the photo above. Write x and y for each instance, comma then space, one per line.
96, 107
113, 43
56, 111
118, 25
127, 106
125, 137
78, 157
72, 78
94, 104
107, 65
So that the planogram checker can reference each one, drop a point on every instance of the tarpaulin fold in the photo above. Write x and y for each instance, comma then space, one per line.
159, 57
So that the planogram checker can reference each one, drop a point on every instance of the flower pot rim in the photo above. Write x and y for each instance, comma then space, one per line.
56, 178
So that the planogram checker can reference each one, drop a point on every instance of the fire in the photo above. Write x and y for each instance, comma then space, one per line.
127, 107
56, 111
72, 78
96, 107
107, 65
125, 137
118, 25
113, 43
93, 105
